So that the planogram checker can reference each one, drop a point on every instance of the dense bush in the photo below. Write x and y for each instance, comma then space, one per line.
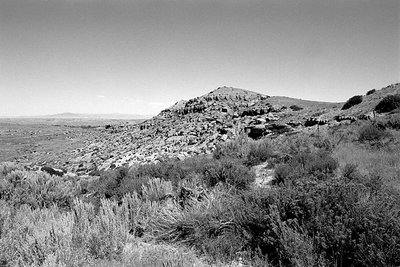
314, 216
37, 189
372, 133
370, 92
388, 103
355, 100
332, 223
319, 165
295, 108
348, 228
394, 122
259, 152
228, 171
237, 149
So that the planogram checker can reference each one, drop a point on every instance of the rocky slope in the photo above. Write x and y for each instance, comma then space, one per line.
197, 126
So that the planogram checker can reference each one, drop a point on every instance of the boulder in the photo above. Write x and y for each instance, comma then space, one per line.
53, 171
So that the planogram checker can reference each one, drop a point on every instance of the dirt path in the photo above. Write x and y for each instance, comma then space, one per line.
264, 174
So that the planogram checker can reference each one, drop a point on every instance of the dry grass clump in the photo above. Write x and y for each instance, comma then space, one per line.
36, 237
383, 161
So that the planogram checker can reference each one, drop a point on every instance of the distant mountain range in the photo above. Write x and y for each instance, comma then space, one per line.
70, 115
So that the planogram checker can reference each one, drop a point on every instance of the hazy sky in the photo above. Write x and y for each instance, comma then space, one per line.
140, 56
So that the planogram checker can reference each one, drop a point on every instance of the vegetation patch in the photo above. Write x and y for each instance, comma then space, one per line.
355, 100
388, 103
335, 202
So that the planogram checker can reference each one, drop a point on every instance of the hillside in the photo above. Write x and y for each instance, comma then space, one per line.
197, 126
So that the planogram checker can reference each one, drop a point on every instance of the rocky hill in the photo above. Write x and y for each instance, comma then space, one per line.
197, 126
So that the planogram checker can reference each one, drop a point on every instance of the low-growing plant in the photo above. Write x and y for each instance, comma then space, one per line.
228, 171
319, 164
372, 133
370, 92
258, 152
157, 189
393, 122
169, 170
351, 172
132, 183
237, 149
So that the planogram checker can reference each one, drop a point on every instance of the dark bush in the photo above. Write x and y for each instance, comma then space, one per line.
295, 108
388, 103
355, 100
131, 183
370, 92
109, 182
394, 122
372, 133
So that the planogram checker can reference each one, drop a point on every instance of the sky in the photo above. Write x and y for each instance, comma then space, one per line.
141, 56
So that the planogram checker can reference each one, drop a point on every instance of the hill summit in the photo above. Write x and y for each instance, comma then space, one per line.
234, 93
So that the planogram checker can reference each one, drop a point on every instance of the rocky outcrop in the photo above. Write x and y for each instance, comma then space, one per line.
53, 171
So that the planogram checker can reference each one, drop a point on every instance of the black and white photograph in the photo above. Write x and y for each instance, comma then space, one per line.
199, 133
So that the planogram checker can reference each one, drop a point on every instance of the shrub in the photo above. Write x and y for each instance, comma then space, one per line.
348, 225
169, 170
355, 100
295, 108
370, 92
157, 189
228, 171
319, 164
388, 103
110, 181
8, 167
237, 149
351, 172
372, 133
258, 152
394, 122
284, 172
132, 183
40, 237
38, 189
157, 255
